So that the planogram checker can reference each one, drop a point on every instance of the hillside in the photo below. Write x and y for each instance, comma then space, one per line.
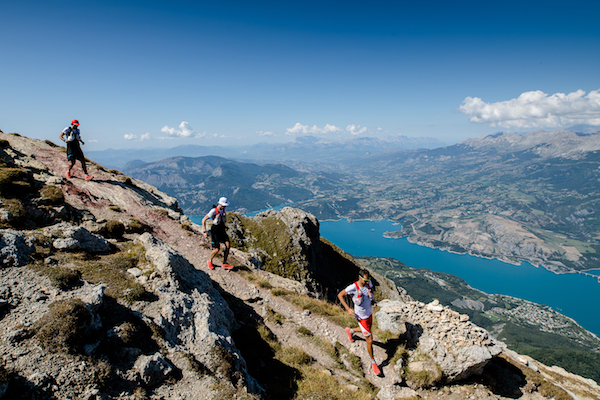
104, 295
196, 182
526, 327
532, 197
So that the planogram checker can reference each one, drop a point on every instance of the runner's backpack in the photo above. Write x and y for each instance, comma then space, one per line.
358, 297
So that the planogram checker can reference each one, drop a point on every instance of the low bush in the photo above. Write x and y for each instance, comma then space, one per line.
52, 195
51, 143
63, 328
134, 225
16, 212
115, 229
64, 278
13, 181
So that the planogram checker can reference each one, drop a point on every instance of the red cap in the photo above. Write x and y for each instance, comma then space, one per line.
75, 122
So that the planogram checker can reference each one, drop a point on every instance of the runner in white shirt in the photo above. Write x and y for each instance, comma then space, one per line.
362, 297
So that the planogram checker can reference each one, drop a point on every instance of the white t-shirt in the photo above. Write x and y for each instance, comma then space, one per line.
212, 214
362, 305
71, 134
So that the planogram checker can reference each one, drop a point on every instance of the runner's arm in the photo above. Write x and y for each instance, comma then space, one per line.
204, 224
341, 297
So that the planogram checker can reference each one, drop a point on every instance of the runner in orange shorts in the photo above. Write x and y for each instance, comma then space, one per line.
362, 297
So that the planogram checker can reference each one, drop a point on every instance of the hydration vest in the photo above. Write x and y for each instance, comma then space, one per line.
358, 297
72, 134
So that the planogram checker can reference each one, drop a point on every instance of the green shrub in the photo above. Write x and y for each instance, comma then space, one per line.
13, 181
50, 143
52, 195
135, 226
63, 328
4, 143
64, 278
115, 229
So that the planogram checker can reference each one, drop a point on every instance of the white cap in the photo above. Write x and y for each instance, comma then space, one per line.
223, 202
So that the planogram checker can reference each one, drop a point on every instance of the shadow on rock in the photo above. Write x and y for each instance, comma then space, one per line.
277, 378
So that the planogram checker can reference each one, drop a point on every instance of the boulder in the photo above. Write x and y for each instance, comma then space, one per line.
76, 238
193, 314
15, 248
457, 346
152, 369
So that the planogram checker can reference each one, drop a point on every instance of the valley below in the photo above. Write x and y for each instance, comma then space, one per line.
516, 198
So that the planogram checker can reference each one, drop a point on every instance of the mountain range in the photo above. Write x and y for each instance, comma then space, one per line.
302, 148
531, 197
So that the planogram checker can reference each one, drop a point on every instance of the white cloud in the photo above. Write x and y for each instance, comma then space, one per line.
184, 131
355, 129
261, 133
330, 129
536, 109
131, 136
300, 129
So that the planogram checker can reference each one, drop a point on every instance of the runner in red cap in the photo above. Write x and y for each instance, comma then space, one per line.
72, 137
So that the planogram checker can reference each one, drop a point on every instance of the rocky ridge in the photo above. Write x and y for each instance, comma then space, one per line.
177, 338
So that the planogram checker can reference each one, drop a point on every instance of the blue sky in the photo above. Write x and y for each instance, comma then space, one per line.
164, 73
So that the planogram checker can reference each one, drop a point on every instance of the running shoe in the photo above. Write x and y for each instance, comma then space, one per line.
210, 264
349, 332
68, 175
227, 266
88, 177
376, 369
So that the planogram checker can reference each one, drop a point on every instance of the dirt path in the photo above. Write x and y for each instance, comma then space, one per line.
264, 302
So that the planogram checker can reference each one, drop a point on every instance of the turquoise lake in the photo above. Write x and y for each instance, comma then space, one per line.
574, 295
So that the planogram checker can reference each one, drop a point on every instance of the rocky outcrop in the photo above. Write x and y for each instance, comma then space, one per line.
288, 243
69, 237
457, 346
190, 310
15, 248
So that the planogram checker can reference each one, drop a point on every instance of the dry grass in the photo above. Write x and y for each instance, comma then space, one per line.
63, 328
52, 195
134, 225
312, 382
334, 312
316, 385
64, 278
108, 269
115, 229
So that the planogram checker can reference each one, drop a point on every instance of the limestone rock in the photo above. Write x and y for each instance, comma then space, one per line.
76, 238
193, 314
458, 347
15, 248
152, 369
394, 392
